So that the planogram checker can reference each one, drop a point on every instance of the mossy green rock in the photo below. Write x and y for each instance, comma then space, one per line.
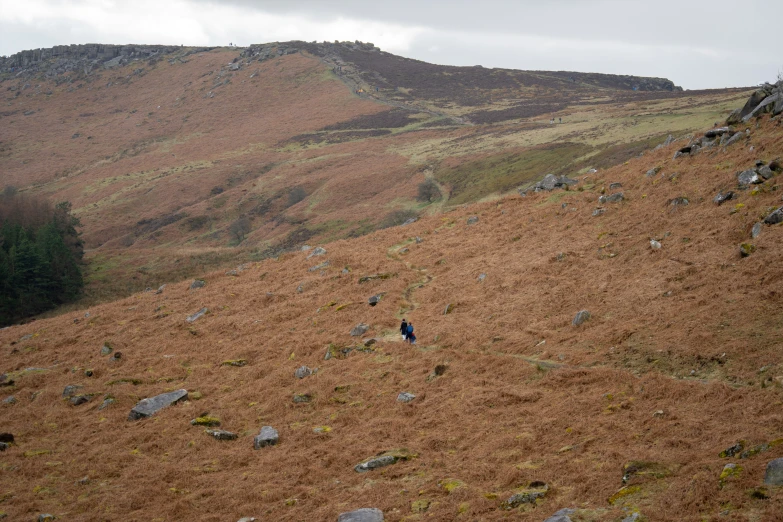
205, 421
747, 249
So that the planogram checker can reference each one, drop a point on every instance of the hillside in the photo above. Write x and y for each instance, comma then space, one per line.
161, 150
663, 405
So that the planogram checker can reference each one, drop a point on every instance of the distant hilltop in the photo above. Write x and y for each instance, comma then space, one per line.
366, 57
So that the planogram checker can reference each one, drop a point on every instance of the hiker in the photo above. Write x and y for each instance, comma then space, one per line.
410, 336
404, 329
561, 120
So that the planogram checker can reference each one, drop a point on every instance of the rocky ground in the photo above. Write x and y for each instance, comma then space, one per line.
605, 348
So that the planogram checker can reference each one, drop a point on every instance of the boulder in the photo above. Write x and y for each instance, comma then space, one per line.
160, 289
766, 105
268, 436
714, 133
723, 197
106, 403
70, 390
319, 266
359, 330
472, 220
734, 139
561, 515
747, 249
775, 217
749, 177
200, 313
6, 437
374, 300
655, 245
384, 459
221, 434
613, 198
197, 283
405, 397
580, 317
774, 473
598, 212
304, 371
615, 185
755, 231
765, 172
529, 495
3, 446
362, 515
148, 407
78, 400
551, 182
755, 99
317, 251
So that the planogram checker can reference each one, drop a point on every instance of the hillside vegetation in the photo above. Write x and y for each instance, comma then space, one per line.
192, 159
662, 404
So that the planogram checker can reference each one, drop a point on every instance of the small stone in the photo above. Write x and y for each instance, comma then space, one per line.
481, 277
304, 371
598, 212
755, 231
723, 197
535, 491
302, 398
615, 185
6, 437
653, 171
247, 519
655, 245
319, 266
160, 289
45, 517
614, 198
374, 300
70, 390
449, 308
197, 283
106, 403
267, 437
375, 463
200, 313
106, 350
405, 397
221, 434
562, 515
318, 251
359, 330
148, 407
679, 202
580, 317
775, 217
774, 473
765, 172
472, 220
362, 515
9, 400
747, 249
3, 446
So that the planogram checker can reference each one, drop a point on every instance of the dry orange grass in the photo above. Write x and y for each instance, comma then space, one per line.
509, 409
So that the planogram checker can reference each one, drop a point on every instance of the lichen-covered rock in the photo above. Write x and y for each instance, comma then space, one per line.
78, 400
755, 231
267, 437
723, 197
535, 491
197, 283
205, 420
304, 371
748, 177
362, 515
747, 249
612, 198
374, 300
449, 308
317, 251
70, 390
302, 398
106, 349
197, 315
580, 317
774, 217
472, 220
221, 434
653, 171
384, 459
148, 407
319, 266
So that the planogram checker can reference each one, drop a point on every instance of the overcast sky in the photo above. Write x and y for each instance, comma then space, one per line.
720, 43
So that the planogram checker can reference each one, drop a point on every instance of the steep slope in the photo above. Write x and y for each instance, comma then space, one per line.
628, 412
162, 150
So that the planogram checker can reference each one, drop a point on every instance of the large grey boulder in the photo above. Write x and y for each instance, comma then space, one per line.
734, 139
775, 217
765, 106
318, 251
753, 102
714, 133
267, 437
362, 515
749, 177
147, 407
774, 473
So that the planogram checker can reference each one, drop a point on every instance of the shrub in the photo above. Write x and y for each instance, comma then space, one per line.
428, 191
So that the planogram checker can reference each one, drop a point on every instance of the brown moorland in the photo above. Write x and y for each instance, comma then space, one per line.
159, 158
628, 412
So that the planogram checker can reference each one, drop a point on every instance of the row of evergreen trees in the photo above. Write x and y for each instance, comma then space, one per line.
40, 256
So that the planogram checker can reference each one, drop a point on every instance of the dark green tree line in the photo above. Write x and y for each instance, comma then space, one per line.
40, 256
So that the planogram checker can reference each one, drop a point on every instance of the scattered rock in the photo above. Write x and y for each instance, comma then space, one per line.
449, 308
317, 251
381, 460
374, 300
147, 407
106, 349
45, 517
472, 220
5, 381
200, 313
70, 390
734, 139
653, 171
598, 212
267, 437
613, 198
580, 317
551, 182
160, 289
481, 277
359, 330
747, 249
723, 197
78, 400
765, 172
319, 266
678, 202
106, 403
235, 362
3, 446
615, 185
198, 283
732, 450
7, 437
714, 133
563, 514
529, 495
362, 515
774, 473
374, 277
775, 217
302, 398
749, 177
405, 397
205, 420
222, 434
755, 231
304, 371
655, 245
